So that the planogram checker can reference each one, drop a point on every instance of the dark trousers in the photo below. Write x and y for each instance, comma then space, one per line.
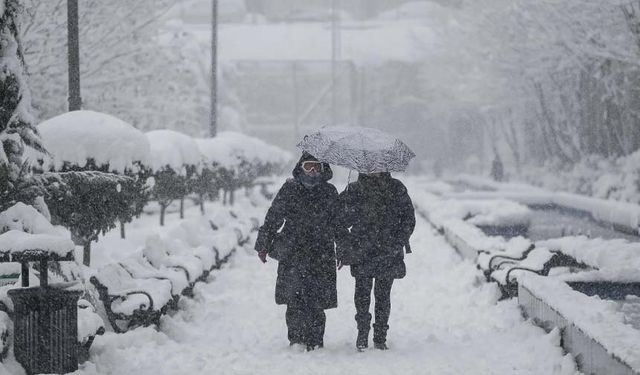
362, 298
305, 325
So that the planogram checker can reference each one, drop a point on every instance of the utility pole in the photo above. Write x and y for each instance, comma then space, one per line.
213, 119
335, 55
73, 50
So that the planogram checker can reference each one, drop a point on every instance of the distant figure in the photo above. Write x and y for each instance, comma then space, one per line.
380, 218
437, 168
298, 232
497, 169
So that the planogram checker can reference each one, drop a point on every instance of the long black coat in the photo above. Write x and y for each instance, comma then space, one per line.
308, 275
381, 217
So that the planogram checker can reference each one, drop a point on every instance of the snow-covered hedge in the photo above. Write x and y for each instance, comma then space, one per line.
100, 166
81, 137
237, 159
174, 150
176, 161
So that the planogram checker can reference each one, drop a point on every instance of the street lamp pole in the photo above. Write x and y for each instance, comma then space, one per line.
73, 50
335, 55
213, 120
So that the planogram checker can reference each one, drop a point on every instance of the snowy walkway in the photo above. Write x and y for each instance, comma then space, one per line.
444, 321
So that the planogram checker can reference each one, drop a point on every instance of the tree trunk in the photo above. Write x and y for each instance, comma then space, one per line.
231, 197
202, 204
182, 208
162, 209
122, 232
86, 255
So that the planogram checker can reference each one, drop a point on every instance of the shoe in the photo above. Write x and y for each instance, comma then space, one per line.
297, 347
380, 346
362, 342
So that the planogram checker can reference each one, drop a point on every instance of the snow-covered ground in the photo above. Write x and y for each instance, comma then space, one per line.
445, 320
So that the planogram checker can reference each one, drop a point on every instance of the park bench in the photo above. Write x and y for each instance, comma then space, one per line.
131, 302
538, 260
157, 253
224, 245
140, 268
489, 261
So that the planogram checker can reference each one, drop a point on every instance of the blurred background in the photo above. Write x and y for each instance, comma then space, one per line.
544, 86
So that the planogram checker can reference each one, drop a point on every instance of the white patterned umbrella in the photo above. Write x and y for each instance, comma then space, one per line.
365, 150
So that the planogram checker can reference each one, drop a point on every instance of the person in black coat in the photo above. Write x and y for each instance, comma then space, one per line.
379, 214
298, 232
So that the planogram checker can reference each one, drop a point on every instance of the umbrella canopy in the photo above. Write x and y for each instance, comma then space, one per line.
366, 150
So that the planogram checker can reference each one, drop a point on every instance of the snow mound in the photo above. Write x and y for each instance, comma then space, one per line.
77, 136
27, 219
173, 149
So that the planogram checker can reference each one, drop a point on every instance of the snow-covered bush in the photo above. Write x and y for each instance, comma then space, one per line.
239, 159
101, 172
176, 160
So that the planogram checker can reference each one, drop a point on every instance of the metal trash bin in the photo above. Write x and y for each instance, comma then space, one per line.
46, 329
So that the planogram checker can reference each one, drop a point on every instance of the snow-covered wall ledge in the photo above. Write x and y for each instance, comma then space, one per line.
623, 216
579, 314
448, 216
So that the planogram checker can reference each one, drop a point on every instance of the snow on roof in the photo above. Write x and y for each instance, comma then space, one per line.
173, 149
230, 148
15, 241
77, 136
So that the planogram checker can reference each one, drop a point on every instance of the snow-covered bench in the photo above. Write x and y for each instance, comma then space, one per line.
538, 260
138, 267
131, 302
158, 254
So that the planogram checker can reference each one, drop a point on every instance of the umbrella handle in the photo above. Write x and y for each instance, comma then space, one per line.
347, 188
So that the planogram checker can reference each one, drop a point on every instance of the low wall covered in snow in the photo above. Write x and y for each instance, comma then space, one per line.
592, 330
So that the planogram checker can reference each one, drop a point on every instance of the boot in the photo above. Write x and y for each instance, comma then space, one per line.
380, 336
380, 346
362, 342
311, 347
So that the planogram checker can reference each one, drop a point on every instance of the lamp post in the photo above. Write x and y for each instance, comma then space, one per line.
73, 50
213, 120
335, 55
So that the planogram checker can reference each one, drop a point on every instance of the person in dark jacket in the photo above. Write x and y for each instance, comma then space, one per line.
379, 214
298, 232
